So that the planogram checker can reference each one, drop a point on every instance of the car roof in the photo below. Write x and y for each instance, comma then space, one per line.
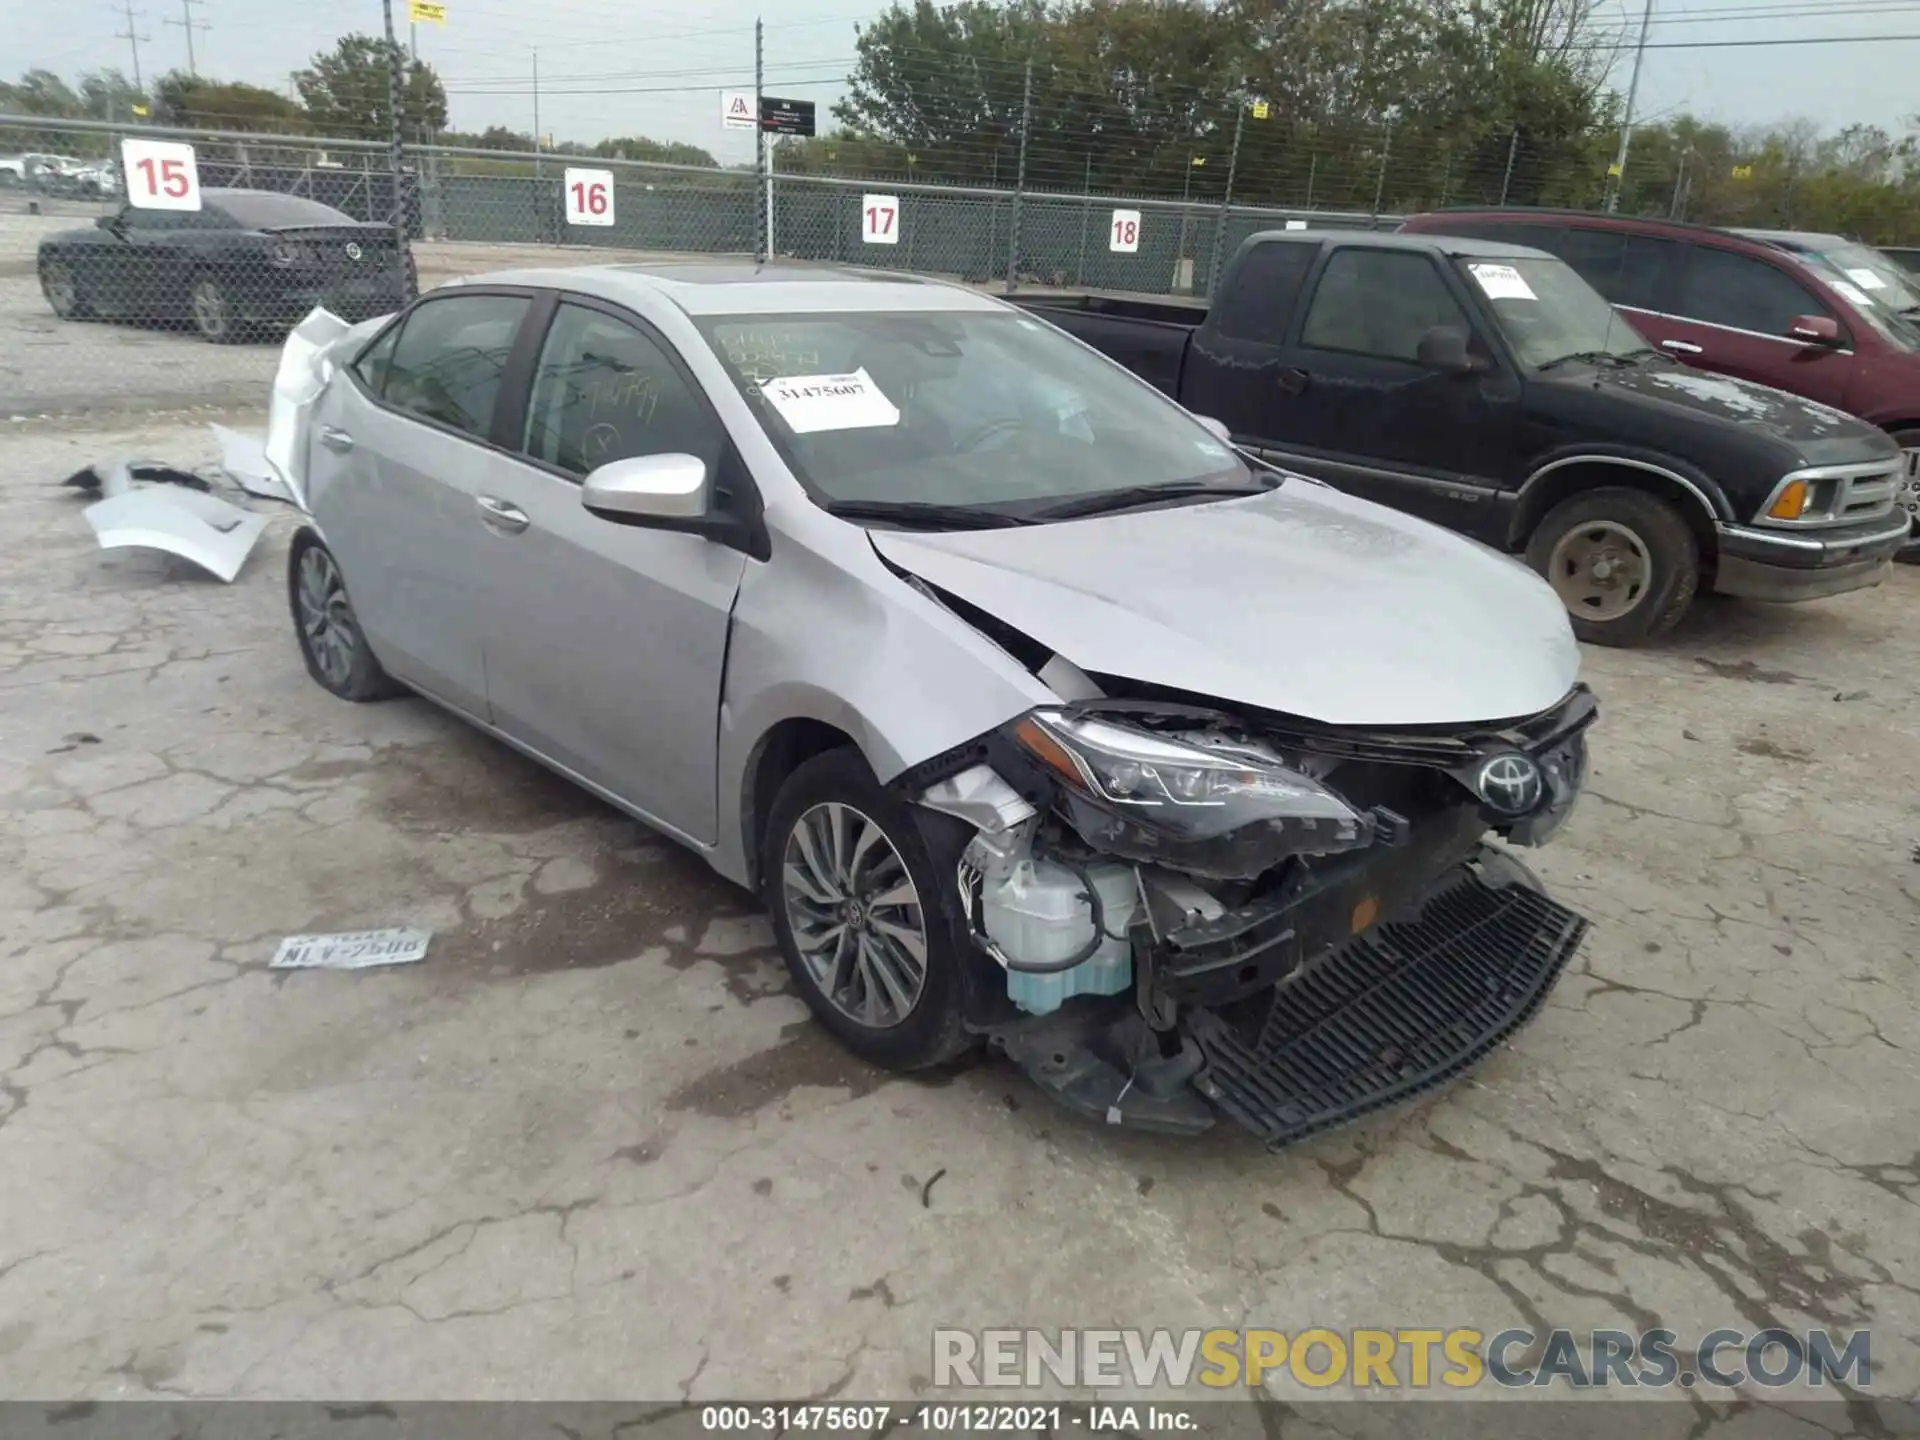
1402, 240
1795, 239
1591, 218
740, 287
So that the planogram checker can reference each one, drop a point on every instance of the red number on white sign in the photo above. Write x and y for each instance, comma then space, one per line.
160, 175
590, 198
880, 220
166, 177
1126, 232
1123, 235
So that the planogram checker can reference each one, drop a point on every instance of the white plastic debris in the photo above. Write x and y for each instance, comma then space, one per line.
196, 526
354, 950
243, 457
296, 385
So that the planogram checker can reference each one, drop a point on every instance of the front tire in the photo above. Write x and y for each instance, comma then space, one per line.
62, 290
1624, 563
331, 641
212, 310
863, 919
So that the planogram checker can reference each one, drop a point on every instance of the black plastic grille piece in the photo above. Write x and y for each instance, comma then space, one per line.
1394, 1012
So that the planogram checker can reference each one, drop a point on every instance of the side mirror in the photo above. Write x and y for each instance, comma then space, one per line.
646, 488
1215, 428
1444, 348
1815, 329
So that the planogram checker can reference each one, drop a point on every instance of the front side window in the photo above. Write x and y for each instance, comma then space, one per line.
1722, 287
1547, 312
958, 408
1379, 303
446, 365
1259, 303
604, 391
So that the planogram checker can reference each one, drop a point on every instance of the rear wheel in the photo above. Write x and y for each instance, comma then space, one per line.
331, 640
863, 920
1625, 564
1908, 496
62, 290
212, 310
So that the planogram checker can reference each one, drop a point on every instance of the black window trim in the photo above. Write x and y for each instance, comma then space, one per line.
1310, 291
735, 515
508, 374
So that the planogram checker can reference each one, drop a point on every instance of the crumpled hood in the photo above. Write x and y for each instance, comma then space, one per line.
1303, 600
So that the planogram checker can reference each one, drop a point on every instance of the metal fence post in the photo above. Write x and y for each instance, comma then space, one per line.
762, 217
1380, 188
1019, 182
396, 152
1226, 199
1513, 149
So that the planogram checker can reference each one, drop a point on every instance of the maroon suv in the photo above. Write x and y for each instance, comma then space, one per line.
1816, 315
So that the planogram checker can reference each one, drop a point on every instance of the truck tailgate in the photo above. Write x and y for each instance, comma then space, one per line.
1147, 336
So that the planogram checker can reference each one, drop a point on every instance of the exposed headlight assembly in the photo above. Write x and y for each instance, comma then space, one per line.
1204, 805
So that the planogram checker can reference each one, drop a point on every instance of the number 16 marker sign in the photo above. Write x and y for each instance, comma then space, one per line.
160, 175
880, 219
589, 197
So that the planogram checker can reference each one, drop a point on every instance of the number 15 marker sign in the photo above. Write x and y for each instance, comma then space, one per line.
589, 197
880, 219
160, 174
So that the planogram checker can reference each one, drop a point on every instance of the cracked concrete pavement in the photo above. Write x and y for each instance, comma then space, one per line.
592, 1148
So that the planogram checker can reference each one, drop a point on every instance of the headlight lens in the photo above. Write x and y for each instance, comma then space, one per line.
1202, 804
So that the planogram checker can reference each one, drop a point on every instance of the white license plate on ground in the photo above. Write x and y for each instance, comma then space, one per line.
355, 950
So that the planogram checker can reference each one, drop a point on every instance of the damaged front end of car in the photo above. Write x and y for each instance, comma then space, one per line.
1197, 912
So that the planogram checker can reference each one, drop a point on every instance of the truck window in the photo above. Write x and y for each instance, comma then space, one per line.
1259, 302
1721, 287
1629, 270
1379, 303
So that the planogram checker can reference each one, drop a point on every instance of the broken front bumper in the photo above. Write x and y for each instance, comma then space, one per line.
1395, 1011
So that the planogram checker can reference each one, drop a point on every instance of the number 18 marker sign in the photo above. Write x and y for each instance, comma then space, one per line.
1123, 236
880, 219
589, 197
160, 175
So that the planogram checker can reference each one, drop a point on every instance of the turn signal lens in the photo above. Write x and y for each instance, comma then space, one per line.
1791, 503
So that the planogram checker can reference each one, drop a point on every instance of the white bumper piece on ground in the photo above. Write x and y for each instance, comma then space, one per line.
196, 526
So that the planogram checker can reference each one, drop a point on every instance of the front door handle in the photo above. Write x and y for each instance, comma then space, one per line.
335, 439
499, 515
1292, 380
1680, 347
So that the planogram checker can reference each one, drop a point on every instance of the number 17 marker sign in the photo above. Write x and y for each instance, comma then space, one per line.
1123, 238
880, 219
589, 197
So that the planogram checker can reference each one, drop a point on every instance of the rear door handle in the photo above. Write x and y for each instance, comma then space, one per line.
499, 515
335, 439
1291, 380
1680, 347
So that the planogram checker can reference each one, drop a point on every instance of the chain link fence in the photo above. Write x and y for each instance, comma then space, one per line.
107, 305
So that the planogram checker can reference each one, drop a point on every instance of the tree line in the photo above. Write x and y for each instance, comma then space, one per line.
1369, 105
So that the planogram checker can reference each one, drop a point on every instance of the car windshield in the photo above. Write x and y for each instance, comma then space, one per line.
978, 409
268, 212
1548, 313
1881, 292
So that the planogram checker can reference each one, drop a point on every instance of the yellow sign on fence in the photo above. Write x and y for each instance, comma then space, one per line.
1261, 109
1743, 172
429, 10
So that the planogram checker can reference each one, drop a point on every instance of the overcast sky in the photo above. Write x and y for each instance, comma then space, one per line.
662, 76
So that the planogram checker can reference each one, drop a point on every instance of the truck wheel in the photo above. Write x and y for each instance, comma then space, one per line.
1907, 497
1625, 564
861, 917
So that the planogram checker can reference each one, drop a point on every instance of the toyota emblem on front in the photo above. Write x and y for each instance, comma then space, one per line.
353, 251
1510, 783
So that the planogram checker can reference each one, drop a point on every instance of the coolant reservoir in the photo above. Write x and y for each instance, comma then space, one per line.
1037, 911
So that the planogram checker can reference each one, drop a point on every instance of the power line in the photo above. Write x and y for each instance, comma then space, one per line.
188, 24
133, 38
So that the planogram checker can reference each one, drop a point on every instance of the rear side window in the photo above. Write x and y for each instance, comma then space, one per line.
447, 363
1722, 287
1259, 303
1630, 270
1379, 303
604, 391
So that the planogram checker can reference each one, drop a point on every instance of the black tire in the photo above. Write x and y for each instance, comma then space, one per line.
1909, 496
1653, 531
74, 306
932, 1031
360, 678
212, 312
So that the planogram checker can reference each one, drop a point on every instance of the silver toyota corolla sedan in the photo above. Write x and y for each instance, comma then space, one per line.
1039, 715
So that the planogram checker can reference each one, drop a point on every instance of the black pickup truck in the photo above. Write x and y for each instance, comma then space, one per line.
1489, 388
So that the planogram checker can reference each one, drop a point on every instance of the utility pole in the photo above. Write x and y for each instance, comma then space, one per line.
1226, 198
536, 109
1619, 177
396, 155
763, 198
187, 23
1513, 150
132, 36
1020, 181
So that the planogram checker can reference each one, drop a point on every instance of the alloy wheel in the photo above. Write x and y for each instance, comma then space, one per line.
210, 313
57, 283
855, 915
326, 619
1600, 570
